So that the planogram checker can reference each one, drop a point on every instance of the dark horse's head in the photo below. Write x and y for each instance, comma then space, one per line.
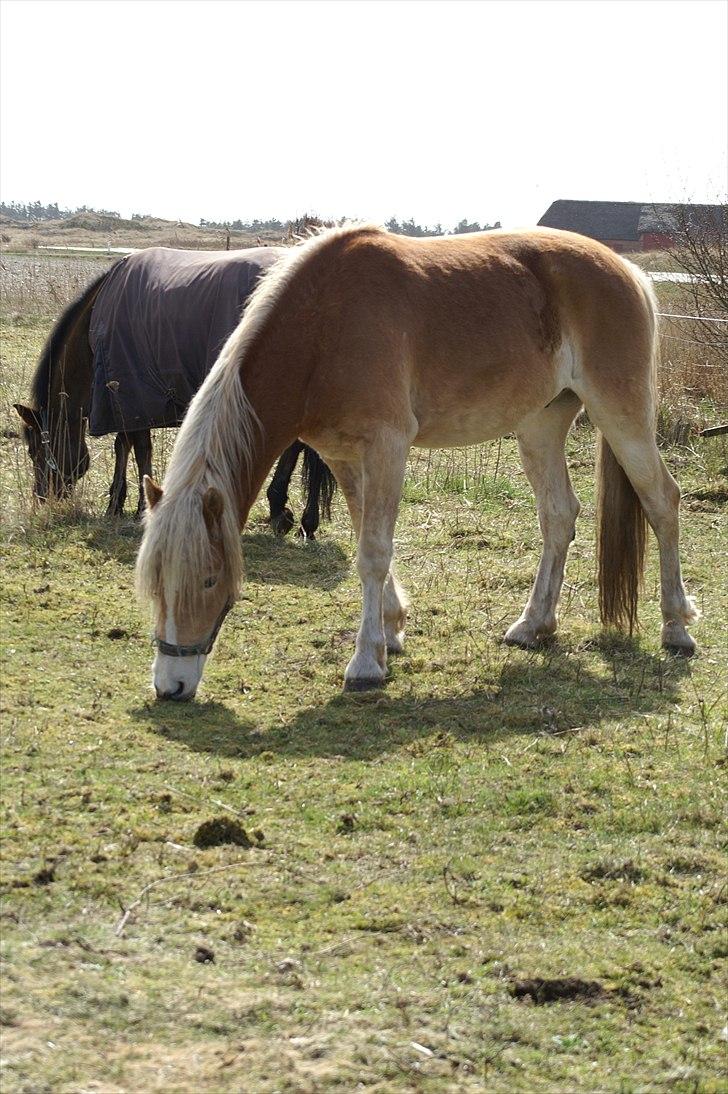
57, 450
55, 432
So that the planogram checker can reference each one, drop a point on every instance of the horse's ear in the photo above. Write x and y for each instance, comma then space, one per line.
29, 417
152, 492
213, 504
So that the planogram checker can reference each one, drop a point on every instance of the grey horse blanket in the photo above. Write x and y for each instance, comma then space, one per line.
157, 327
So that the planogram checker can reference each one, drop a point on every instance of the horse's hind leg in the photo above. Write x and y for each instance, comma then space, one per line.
541, 442
315, 474
117, 490
312, 484
142, 440
632, 440
281, 517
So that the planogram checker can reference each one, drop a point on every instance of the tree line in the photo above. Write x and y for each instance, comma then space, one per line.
409, 228
32, 212
402, 228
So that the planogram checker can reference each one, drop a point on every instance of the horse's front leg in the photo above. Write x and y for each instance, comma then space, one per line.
142, 440
395, 601
373, 490
117, 490
281, 517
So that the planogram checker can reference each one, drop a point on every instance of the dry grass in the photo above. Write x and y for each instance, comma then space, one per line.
693, 376
32, 287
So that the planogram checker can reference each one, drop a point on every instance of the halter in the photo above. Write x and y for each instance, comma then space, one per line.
45, 440
199, 648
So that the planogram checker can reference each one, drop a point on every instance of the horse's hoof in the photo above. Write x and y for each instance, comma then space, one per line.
525, 638
364, 683
679, 650
283, 522
303, 534
520, 643
677, 641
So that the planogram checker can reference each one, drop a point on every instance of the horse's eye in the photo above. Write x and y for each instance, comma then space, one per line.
210, 581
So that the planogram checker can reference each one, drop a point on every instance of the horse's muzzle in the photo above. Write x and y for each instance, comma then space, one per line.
179, 695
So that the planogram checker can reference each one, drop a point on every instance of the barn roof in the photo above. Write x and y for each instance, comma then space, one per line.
663, 218
624, 220
598, 219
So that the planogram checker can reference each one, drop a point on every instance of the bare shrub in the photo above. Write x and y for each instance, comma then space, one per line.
700, 233
694, 368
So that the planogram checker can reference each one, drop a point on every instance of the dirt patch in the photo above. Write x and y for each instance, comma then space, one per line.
219, 831
117, 632
45, 876
614, 870
716, 497
561, 989
688, 864
243, 931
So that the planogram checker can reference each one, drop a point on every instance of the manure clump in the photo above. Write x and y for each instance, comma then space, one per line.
219, 831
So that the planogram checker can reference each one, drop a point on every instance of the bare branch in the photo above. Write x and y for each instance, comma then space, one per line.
166, 880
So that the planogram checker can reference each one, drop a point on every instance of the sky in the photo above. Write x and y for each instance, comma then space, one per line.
228, 109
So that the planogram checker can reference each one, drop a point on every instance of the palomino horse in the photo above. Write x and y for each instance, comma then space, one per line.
364, 343
128, 355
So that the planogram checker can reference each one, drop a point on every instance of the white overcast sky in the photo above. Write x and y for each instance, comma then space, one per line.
436, 110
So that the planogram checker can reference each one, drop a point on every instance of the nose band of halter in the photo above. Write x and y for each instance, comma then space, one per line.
199, 648
45, 440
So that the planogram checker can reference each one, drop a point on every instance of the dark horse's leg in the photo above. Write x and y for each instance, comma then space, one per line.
142, 440
281, 517
117, 490
319, 485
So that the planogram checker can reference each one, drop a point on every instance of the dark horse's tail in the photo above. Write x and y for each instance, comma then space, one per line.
318, 482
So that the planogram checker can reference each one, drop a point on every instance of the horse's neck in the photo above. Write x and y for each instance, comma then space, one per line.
69, 395
274, 382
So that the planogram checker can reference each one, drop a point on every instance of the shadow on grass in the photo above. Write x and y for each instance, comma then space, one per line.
269, 559
273, 560
552, 693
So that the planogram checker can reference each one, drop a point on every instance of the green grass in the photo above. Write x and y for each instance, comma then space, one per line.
492, 816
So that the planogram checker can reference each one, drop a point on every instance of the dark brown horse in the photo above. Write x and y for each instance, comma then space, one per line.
128, 355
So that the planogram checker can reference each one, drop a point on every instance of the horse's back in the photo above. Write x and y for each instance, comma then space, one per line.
157, 327
475, 332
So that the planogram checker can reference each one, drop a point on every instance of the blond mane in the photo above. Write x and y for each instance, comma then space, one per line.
214, 448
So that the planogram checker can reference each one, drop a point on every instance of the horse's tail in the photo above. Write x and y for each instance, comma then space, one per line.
317, 476
621, 542
621, 520
65, 338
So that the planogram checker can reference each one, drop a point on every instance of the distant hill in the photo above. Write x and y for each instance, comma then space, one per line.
27, 227
90, 229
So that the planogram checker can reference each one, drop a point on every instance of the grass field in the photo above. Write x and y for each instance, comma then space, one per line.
504, 872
